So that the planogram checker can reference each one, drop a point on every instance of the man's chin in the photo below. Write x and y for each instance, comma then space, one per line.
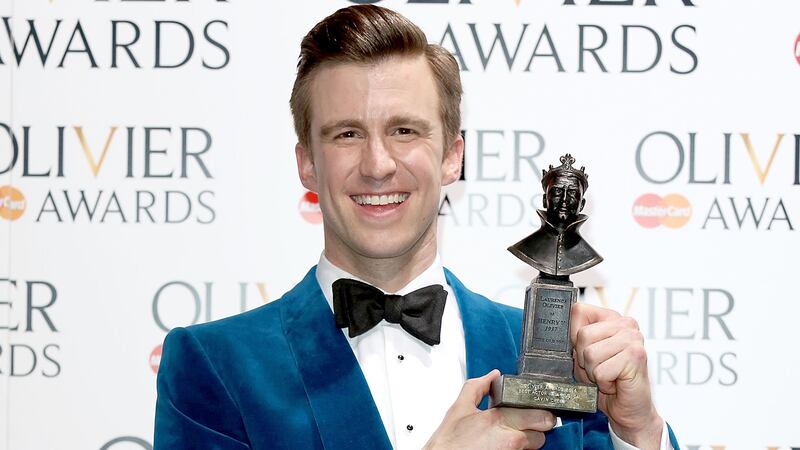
387, 251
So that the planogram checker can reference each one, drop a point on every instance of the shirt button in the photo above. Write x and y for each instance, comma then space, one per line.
410, 427
401, 357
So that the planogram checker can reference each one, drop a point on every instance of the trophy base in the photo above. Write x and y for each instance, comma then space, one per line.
518, 391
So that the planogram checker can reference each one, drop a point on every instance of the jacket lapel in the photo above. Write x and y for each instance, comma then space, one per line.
488, 337
337, 391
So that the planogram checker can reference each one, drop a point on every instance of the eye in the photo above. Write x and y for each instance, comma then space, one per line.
349, 134
404, 131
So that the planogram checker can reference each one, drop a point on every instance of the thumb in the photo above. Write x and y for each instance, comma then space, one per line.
475, 389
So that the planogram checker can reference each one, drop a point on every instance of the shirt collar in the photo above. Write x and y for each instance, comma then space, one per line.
327, 273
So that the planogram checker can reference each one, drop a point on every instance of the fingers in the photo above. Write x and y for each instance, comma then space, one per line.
474, 390
465, 426
522, 428
620, 368
580, 372
608, 351
525, 419
593, 333
603, 350
582, 314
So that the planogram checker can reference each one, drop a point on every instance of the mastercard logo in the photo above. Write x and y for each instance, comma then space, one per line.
672, 211
309, 207
797, 49
12, 203
155, 358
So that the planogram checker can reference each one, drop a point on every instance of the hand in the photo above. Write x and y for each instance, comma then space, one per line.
466, 427
609, 351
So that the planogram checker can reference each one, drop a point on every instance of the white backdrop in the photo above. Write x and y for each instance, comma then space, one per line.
137, 198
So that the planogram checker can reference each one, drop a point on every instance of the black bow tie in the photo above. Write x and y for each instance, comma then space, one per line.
359, 307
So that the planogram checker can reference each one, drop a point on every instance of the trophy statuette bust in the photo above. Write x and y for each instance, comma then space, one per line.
545, 367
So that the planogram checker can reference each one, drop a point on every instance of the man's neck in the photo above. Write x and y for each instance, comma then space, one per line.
388, 274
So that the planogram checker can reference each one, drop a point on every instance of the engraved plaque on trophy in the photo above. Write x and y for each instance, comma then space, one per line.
544, 376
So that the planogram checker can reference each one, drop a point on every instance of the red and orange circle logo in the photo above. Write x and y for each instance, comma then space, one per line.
797, 49
12, 203
155, 358
672, 211
309, 207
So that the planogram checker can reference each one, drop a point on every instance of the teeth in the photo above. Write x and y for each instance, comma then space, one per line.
384, 199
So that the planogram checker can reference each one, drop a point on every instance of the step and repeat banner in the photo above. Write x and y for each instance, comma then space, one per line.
148, 181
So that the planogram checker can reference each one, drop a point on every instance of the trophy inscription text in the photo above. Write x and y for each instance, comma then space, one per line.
551, 320
548, 391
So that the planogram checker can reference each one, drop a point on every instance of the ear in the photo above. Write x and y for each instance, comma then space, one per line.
305, 167
451, 162
583, 202
544, 201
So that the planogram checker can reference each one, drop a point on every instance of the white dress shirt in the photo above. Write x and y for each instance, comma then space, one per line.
412, 383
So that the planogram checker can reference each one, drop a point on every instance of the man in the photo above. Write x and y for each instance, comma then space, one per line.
336, 364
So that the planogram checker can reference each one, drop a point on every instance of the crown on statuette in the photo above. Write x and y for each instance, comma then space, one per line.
565, 170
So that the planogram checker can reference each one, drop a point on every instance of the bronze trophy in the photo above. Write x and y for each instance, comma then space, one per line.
545, 367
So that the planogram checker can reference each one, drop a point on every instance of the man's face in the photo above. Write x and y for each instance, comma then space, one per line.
376, 158
563, 199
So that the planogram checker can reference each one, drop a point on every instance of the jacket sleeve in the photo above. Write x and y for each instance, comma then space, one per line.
194, 409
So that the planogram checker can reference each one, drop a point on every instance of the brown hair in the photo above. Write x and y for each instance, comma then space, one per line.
365, 34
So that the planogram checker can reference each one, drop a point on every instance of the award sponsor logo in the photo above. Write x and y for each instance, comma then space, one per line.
797, 49
155, 358
12, 203
309, 208
652, 210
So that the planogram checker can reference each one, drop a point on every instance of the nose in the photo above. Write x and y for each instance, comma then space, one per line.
377, 160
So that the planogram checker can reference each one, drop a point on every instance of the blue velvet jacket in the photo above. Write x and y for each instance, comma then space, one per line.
282, 376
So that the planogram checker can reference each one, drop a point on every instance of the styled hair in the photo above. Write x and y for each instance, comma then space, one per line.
369, 34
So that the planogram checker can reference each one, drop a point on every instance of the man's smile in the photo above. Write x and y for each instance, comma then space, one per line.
380, 199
